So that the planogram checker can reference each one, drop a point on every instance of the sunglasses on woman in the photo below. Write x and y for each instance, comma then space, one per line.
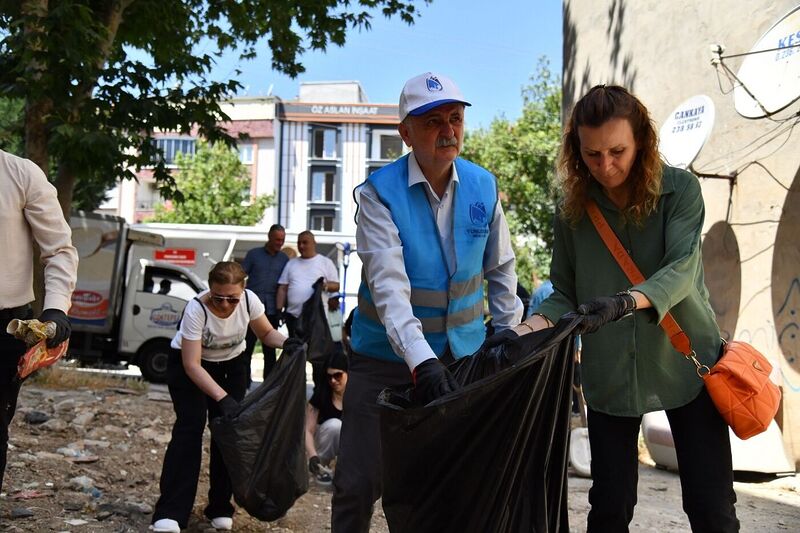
220, 299
336, 376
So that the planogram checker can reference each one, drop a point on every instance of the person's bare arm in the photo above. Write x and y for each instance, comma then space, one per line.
191, 357
311, 428
280, 297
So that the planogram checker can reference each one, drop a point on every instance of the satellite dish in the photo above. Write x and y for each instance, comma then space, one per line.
686, 130
771, 78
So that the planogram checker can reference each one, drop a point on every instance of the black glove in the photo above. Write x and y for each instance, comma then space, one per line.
499, 338
432, 380
63, 327
292, 344
313, 465
228, 407
600, 311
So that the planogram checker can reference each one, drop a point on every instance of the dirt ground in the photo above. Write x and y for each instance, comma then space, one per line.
89, 458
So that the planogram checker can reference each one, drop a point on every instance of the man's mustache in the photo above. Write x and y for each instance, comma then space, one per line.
441, 142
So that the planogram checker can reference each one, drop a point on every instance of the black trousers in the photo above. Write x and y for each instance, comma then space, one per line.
181, 470
269, 353
358, 484
704, 458
11, 350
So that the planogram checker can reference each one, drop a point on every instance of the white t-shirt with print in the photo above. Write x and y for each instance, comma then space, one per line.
222, 338
300, 274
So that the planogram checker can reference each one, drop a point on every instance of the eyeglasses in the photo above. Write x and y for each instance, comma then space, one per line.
337, 376
230, 299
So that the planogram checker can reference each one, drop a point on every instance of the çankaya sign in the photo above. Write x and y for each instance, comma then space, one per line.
773, 77
686, 130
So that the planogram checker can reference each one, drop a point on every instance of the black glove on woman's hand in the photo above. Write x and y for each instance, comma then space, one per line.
292, 343
432, 380
63, 327
600, 311
228, 407
313, 464
499, 338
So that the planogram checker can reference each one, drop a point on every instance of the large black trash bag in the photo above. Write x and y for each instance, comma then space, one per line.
312, 326
491, 457
263, 445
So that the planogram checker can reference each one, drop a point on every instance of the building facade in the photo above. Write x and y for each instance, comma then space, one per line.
749, 166
330, 139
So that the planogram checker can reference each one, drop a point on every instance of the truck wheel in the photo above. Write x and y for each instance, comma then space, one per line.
152, 360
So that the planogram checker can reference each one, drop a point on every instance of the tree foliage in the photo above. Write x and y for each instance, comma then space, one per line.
522, 154
98, 77
216, 190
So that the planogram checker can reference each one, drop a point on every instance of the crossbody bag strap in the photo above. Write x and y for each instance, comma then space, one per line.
679, 339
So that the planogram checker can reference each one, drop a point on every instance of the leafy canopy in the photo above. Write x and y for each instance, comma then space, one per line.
522, 154
98, 77
216, 190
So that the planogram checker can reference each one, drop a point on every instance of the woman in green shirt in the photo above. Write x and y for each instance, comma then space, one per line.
610, 154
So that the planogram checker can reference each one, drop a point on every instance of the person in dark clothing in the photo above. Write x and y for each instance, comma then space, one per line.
263, 266
324, 419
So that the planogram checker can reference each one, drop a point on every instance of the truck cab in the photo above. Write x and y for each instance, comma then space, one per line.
152, 307
125, 308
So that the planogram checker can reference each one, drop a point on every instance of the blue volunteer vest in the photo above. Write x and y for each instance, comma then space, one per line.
450, 307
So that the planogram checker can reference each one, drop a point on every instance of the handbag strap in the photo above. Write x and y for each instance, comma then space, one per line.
679, 339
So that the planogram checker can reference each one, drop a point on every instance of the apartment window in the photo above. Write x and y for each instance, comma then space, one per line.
172, 146
322, 222
387, 145
147, 196
324, 143
322, 218
246, 154
323, 185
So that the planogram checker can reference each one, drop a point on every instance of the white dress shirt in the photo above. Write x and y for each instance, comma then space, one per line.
381, 253
29, 211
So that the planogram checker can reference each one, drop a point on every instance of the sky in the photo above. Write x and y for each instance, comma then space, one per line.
490, 49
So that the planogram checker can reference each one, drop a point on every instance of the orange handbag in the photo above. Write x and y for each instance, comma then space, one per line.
738, 383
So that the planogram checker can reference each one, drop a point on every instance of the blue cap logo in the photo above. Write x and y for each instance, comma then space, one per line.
477, 213
433, 84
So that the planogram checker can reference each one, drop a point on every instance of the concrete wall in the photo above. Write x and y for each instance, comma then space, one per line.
661, 51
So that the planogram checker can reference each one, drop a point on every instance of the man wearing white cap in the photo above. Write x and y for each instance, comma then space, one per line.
430, 230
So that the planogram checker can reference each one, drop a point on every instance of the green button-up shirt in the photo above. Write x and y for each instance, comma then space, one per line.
629, 367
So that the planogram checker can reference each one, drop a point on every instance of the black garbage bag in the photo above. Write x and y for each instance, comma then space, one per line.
491, 457
312, 327
263, 445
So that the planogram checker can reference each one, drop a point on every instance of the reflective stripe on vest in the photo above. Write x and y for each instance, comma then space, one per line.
448, 305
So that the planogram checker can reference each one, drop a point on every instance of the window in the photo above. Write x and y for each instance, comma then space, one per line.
323, 143
323, 185
161, 281
147, 196
387, 145
174, 146
246, 154
322, 222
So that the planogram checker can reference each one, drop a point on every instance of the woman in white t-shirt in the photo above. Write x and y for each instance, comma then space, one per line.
208, 376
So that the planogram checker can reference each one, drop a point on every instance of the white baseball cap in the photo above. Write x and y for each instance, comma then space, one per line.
426, 91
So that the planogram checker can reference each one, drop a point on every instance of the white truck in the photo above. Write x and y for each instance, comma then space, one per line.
125, 307
135, 280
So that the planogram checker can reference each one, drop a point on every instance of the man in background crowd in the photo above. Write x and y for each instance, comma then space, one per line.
263, 266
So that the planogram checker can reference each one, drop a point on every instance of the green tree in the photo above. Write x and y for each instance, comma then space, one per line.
216, 190
96, 78
522, 155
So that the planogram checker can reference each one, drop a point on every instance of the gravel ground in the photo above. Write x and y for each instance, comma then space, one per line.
89, 458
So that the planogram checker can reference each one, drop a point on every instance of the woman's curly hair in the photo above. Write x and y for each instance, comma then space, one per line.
600, 104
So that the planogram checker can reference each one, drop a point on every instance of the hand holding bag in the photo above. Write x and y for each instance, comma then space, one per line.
738, 383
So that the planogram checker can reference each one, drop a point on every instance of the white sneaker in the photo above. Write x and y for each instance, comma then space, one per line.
166, 525
222, 523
